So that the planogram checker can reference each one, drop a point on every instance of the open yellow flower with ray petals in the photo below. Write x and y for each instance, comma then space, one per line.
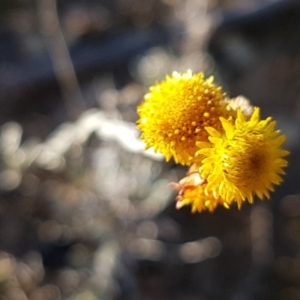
175, 112
245, 161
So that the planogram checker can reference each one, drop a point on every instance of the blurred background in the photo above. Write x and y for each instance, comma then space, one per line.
85, 212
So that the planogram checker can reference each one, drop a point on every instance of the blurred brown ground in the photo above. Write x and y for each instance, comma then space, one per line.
85, 213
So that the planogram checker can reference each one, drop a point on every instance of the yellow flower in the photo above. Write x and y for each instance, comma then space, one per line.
191, 191
233, 154
245, 161
175, 112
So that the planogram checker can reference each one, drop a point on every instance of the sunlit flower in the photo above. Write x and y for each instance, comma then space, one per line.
191, 191
233, 154
176, 111
245, 161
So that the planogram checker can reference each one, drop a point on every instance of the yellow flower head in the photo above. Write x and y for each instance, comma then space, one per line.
245, 161
191, 191
176, 111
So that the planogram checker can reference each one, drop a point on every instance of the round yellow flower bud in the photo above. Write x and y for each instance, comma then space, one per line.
175, 112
